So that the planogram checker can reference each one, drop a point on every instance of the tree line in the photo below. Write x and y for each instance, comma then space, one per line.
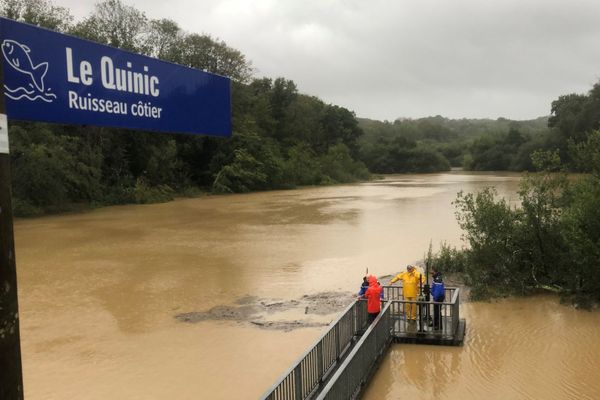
281, 138
438, 143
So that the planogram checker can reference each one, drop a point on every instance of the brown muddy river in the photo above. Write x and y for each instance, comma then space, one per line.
213, 298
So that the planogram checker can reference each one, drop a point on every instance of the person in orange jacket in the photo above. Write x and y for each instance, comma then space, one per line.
373, 296
411, 281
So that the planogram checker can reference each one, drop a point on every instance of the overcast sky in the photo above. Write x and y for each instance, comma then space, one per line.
386, 59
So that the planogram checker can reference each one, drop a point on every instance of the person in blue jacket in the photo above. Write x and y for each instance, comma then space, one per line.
363, 287
438, 292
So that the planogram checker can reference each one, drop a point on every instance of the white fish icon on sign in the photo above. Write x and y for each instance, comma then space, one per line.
18, 56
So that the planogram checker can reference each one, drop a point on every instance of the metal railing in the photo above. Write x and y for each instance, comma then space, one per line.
303, 379
353, 374
447, 321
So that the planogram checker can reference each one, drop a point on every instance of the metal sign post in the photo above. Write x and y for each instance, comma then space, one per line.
11, 375
52, 77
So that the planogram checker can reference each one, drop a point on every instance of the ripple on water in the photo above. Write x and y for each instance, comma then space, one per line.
528, 348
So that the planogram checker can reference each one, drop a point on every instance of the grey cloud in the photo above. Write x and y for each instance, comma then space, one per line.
384, 59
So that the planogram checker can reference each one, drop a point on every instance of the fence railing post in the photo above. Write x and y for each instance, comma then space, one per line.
457, 312
320, 361
338, 349
298, 382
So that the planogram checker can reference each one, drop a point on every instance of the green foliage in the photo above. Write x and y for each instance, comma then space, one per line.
453, 152
23, 208
402, 155
282, 94
145, 194
566, 111
473, 144
585, 155
115, 24
339, 166
303, 166
509, 151
551, 242
244, 174
339, 125
581, 229
51, 171
163, 39
212, 55
425, 159
574, 117
449, 259
37, 12
489, 225
548, 161
581, 224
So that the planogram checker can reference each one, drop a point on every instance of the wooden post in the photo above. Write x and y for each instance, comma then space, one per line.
11, 376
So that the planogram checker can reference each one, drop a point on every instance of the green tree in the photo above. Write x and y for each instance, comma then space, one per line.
489, 226
244, 174
339, 125
37, 12
339, 165
250, 162
303, 121
115, 24
566, 111
164, 40
283, 94
50, 170
303, 166
581, 223
213, 55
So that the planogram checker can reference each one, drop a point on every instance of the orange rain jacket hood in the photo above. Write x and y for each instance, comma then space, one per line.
373, 295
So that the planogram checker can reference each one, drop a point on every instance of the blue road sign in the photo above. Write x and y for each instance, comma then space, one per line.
49, 76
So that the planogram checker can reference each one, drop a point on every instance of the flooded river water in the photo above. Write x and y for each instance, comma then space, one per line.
213, 298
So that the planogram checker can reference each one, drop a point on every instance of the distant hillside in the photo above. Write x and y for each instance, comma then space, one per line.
443, 129
438, 143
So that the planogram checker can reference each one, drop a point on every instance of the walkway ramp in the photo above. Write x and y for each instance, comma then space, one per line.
312, 371
341, 362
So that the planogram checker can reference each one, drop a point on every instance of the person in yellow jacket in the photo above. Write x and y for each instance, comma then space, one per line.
411, 280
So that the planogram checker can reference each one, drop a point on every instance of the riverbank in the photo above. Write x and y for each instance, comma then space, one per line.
141, 193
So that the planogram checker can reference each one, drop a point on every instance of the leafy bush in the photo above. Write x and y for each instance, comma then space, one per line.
449, 259
244, 174
340, 167
145, 194
551, 242
302, 166
23, 208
